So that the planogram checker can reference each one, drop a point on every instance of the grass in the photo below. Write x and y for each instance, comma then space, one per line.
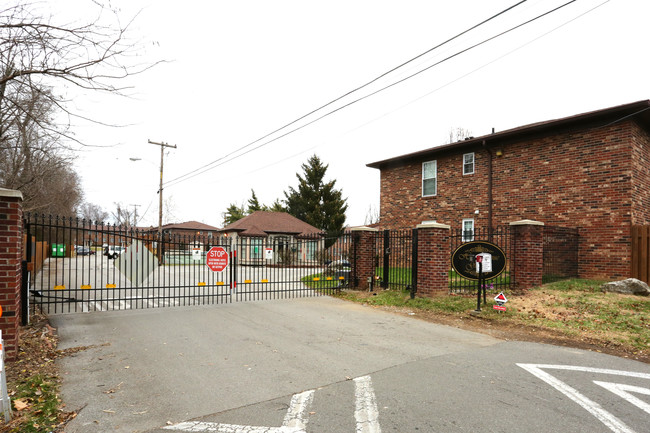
38, 400
572, 308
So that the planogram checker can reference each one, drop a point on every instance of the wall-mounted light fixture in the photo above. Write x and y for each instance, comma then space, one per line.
499, 152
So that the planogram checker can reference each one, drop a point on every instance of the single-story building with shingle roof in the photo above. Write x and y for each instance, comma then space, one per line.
275, 238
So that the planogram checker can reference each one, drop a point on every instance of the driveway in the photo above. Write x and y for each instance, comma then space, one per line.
321, 364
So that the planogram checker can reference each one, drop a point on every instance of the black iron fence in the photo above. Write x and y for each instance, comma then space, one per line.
395, 259
500, 236
560, 253
98, 267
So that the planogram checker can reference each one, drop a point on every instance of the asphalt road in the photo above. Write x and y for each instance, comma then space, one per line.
324, 365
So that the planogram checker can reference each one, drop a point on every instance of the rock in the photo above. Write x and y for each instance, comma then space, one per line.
631, 286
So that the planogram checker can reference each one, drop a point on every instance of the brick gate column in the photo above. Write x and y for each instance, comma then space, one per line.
433, 259
362, 255
11, 256
526, 258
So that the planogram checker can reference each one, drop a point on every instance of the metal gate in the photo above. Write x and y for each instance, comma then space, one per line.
395, 259
79, 266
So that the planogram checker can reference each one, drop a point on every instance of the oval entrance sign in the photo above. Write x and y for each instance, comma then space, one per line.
217, 259
463, 260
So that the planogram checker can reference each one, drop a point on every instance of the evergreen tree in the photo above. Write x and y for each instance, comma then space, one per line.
277, 206
254, 204
233, 213
317, 202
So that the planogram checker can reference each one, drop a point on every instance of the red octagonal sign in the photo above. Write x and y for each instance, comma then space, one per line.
217, 259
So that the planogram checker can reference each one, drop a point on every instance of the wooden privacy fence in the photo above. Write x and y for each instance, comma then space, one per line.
641, 253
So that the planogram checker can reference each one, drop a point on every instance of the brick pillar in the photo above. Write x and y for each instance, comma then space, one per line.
362, 256
11, 256
433, 259
527, 254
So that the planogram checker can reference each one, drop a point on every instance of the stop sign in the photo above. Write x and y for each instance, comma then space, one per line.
217, 259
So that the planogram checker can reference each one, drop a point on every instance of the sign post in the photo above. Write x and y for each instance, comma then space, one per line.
480, 261
217, 259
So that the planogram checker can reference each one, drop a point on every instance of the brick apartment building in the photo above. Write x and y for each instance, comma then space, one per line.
590, 171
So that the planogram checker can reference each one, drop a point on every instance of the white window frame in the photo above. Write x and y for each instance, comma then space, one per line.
467, 238
466, 163
434, 177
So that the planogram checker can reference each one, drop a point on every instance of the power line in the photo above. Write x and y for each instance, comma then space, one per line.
346, 94
223, 159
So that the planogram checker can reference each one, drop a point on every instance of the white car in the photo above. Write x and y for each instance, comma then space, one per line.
112, 251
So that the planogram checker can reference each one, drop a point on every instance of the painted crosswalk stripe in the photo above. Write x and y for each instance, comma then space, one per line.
294, 421
366, 412
612, 422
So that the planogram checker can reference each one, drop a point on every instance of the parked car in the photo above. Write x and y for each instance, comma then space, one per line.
84, 251
112, 251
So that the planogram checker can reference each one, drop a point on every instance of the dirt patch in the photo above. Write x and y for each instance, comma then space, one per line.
538, 303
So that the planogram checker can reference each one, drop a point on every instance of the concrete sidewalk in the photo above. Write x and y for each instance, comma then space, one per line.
151, 367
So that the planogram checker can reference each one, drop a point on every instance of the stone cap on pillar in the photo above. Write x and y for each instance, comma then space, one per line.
432, 225
527, 223
4, 192
363, 229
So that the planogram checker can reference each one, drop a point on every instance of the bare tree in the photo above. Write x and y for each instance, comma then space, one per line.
122, 216
458, 134
372, 216
38, 58
92, 212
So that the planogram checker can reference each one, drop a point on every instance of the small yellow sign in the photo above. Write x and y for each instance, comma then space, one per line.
86, 287
110, 286
59, 287
265, 281
219, 283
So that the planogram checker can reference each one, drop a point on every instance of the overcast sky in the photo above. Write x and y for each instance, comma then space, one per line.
239, 70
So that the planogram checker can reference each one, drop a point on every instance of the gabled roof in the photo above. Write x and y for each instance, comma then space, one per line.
262, 223
189, 225
639, 111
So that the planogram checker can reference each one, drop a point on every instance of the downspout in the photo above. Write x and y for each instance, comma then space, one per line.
489, 187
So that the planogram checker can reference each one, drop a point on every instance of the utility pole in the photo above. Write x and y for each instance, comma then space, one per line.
135, 214
160, 191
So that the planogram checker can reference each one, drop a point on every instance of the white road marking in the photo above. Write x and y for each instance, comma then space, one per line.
366, 412
613, 423
294, 420
623, 391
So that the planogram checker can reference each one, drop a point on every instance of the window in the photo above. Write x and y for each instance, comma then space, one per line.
429, 178
256, 248
468, 163
468, 230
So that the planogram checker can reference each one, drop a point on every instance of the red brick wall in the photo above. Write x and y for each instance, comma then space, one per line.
526, 253
11, 254
433, 260
640, 177
362, 256
585, 179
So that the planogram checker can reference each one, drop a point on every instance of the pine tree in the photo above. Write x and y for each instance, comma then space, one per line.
254, 204
233, 213
317, 202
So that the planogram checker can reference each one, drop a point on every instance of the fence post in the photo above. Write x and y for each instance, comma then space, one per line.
527, 256
433, 263
362, 260
11, 256
386, 266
